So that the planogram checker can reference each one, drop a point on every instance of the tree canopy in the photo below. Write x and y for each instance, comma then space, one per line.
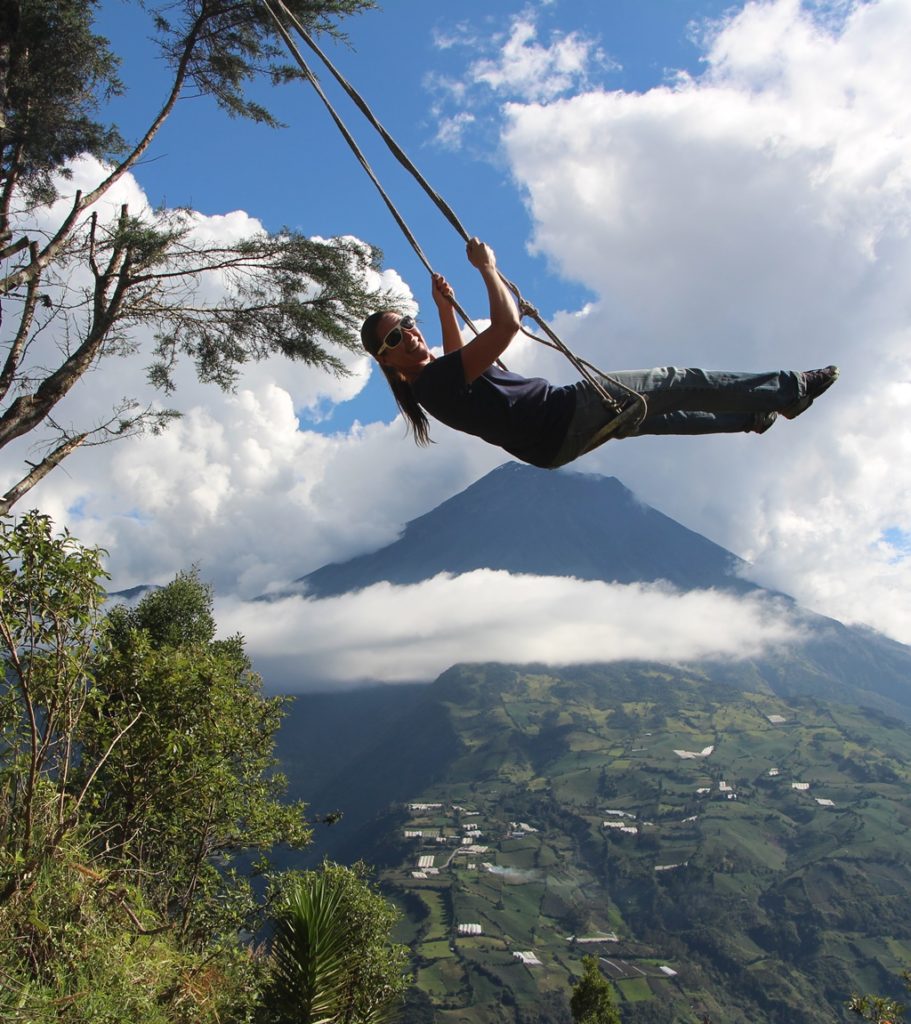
88, 288
592, 1000
138, 802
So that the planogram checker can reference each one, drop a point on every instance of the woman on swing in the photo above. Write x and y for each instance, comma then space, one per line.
549, 426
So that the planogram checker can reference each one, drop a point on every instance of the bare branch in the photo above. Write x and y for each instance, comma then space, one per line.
101, 761
39, 472
17, 246
25, 323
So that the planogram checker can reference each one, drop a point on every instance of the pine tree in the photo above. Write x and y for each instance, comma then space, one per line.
592, 1001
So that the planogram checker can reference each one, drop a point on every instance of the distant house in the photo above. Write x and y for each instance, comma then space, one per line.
669, 971
469, 929
823, 802
802, 786
689, 754
528, 958
619, 826
776, 719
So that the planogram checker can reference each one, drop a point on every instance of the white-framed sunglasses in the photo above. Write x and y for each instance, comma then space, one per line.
394, 336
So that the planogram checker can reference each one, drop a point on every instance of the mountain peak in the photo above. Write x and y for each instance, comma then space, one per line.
545, 523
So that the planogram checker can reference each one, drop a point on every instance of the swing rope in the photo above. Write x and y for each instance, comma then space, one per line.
625, 418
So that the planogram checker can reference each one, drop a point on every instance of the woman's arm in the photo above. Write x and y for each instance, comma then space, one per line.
483, 351
449, 325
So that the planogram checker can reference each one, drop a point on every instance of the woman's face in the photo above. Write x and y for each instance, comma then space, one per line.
410, 354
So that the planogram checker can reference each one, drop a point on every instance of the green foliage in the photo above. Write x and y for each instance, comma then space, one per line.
88, 931
192, 783
592, 1001
878, 1009
58, 72
331, 952
233, 42
180, 613
73, 951
135, 770
287, 295
50, 601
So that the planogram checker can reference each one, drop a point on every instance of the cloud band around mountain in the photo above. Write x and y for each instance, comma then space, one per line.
394, 634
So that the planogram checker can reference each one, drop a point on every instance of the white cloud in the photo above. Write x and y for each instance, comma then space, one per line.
525, 69
402, 633
515, 64
452, 129
239, 484
757, 216
753, 217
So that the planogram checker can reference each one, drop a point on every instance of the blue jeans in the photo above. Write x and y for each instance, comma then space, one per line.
682, 401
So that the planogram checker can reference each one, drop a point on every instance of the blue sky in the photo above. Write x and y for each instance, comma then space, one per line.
671, 182
305, 176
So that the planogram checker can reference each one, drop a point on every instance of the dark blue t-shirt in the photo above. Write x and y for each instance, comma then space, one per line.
526, 416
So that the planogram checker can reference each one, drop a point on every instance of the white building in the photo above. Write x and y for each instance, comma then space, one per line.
469, 929
689, 755
528, 958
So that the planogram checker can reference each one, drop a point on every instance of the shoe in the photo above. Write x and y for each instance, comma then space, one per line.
814, 382
762, 421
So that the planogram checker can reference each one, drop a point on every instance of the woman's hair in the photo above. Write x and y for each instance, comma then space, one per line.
401, 389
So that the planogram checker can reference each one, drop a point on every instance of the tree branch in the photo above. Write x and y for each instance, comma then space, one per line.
101, 762
17, 246
82, 202
25, 324
40, 471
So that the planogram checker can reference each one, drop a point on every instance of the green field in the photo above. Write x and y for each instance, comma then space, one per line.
801, 902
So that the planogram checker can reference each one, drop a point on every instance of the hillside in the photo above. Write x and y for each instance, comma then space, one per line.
770, 903
756, 902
